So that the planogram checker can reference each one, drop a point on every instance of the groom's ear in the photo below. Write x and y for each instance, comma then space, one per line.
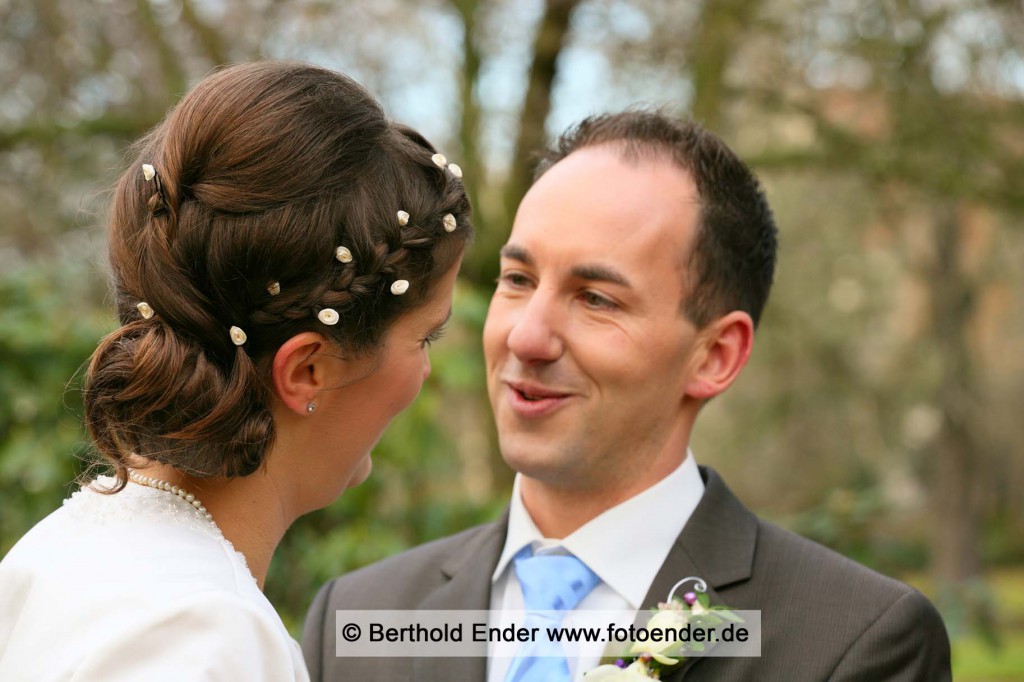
300, 370
722, 351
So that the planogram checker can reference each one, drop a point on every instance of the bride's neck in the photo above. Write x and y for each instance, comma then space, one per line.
250, 512
253, 518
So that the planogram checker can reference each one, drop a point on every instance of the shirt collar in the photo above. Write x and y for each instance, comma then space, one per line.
627, 544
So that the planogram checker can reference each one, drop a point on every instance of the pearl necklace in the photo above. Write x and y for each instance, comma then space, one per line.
156, 483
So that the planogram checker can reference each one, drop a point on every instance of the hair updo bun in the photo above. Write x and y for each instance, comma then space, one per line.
257, 177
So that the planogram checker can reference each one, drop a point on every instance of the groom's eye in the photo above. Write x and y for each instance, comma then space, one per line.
514, 279
597, 301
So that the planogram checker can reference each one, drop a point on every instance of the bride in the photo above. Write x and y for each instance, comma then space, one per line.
282, 257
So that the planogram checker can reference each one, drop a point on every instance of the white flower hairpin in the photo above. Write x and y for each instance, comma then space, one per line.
238, 336
328, 316
442, 162
150, 175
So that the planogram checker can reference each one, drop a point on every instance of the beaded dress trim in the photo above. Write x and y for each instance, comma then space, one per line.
140, 503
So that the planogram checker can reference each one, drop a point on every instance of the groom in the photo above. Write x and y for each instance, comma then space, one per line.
636, 272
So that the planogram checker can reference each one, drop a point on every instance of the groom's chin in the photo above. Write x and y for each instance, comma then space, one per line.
537, 458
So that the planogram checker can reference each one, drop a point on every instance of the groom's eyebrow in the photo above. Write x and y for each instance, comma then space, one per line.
595, 272
513, 252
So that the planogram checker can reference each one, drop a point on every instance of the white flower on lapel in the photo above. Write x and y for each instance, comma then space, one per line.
664, 620
648, 659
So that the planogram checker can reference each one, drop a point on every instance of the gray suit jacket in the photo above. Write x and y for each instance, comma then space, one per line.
823, 616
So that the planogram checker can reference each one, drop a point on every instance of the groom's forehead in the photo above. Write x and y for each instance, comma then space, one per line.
640, 226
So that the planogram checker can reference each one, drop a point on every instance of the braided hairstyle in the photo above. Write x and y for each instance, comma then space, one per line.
261, 172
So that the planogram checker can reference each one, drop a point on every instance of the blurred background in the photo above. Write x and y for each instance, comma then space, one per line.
881, 413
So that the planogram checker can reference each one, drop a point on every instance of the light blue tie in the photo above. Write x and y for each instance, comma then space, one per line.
553, 582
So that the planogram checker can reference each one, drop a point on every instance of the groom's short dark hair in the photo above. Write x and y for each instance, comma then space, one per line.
733, 257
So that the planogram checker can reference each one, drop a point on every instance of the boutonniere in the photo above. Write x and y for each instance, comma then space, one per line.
662, 644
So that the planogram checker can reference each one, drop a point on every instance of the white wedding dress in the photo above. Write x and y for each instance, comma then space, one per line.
136, 586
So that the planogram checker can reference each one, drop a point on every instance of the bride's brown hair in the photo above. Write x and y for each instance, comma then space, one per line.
262, 171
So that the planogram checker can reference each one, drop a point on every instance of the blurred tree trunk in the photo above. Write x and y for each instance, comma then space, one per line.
53, 27
960, 464
212, 42
469, 133
720, 30
494, 218
550, 39
174, 79
479, 260
937, 147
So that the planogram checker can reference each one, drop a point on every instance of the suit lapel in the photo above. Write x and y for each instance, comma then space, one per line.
717, 545
467, 587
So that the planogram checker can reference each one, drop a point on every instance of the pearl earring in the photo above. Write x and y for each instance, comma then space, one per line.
311, 407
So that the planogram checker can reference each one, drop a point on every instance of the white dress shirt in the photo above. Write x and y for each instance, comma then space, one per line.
625, 546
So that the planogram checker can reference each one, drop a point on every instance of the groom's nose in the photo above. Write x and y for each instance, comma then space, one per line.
535, 329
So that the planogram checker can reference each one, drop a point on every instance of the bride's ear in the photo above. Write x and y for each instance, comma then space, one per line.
304, 365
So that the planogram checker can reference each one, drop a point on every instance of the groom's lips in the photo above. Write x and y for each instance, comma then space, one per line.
531, 400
